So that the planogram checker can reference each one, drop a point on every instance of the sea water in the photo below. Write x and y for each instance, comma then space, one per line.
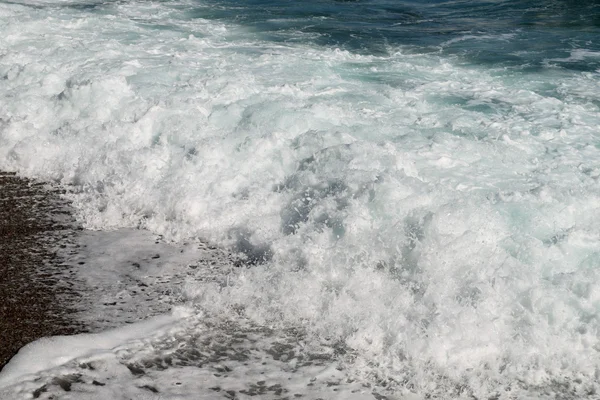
409, 191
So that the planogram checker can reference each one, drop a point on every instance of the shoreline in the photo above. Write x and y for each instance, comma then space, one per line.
57, 278
35, 284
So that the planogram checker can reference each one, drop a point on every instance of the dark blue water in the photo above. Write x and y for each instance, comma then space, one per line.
514, 33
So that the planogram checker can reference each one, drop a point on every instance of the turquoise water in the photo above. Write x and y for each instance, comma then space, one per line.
524, 35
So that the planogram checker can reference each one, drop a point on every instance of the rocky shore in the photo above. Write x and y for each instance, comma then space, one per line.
36, 298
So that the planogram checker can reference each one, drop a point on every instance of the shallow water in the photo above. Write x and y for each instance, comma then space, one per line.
414, 182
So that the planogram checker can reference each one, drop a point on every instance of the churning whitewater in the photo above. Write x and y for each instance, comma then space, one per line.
409, 192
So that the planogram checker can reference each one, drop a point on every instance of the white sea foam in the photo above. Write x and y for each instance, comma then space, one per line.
56, 351
438, 220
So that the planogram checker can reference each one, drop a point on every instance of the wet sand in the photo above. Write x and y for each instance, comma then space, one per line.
35, 295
